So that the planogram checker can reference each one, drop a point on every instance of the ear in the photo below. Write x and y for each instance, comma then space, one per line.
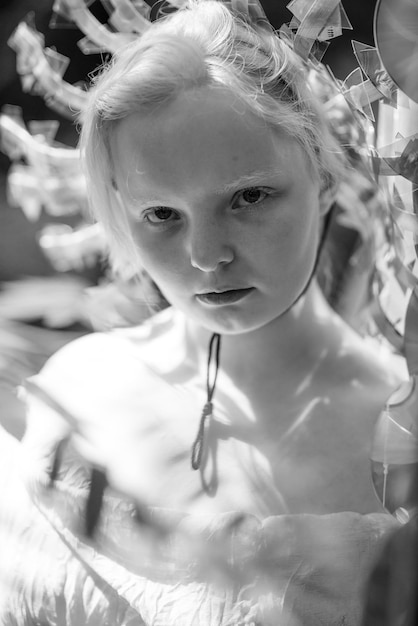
326, 199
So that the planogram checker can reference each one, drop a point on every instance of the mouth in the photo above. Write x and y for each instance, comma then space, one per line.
229, 296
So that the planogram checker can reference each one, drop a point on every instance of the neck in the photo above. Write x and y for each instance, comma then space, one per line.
291, 343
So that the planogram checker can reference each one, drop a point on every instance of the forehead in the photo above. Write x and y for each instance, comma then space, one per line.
205, 139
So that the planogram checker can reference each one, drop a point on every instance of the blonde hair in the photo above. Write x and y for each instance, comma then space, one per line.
204, 44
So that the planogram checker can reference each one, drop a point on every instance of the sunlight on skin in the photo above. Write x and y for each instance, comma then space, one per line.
304, 417
304, 385
195, 229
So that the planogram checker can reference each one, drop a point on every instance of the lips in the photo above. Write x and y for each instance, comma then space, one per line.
227, 296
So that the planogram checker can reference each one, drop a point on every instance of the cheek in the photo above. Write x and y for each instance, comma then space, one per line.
301, 231
288, 244
162, 260
279, 236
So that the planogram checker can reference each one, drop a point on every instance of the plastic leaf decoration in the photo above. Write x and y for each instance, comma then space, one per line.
99, 34
370, 63
41, 70
348, 105
316, 20
129, 17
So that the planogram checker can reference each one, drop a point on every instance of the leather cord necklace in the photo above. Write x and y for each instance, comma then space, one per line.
213, 364
214, 357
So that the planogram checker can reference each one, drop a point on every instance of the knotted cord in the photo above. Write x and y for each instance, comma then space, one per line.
213, 356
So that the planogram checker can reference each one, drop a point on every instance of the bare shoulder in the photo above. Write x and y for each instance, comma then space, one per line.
110, 374
358, 382
367, 366
114, 353
369, 373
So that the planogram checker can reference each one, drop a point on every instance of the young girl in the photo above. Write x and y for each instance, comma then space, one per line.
213, 172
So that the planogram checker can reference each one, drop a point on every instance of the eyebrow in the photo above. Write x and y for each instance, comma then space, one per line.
247, 180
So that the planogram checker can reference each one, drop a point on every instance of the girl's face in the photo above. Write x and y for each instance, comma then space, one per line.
224, 210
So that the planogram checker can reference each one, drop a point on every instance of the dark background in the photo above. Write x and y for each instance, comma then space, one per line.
19, 252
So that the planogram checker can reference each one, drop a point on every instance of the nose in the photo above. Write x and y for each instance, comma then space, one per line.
210, 245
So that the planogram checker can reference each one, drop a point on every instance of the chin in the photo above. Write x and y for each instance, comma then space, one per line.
231, 324
233, 320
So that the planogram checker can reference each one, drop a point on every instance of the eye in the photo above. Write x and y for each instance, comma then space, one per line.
250, 196
160, 215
